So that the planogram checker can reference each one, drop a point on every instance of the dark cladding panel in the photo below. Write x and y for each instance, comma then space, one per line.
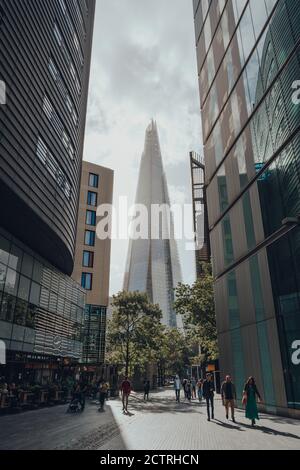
45, 50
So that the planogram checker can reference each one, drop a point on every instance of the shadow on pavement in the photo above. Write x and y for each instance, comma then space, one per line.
164, 405
55, 429
273, 432
235, 427
129, 414
281, 419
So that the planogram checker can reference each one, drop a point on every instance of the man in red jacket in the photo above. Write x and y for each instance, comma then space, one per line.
125, 390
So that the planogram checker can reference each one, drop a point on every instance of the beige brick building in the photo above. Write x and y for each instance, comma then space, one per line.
92, 258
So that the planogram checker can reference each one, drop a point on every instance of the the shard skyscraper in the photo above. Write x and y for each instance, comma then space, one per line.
152, 263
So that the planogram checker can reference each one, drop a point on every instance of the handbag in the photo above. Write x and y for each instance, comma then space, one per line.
244, 399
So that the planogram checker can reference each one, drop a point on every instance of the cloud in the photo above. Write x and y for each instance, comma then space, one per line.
143, 67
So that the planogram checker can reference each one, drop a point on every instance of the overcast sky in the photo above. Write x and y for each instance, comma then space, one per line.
143, 67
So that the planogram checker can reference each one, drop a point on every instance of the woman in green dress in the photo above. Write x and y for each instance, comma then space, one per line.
250, 393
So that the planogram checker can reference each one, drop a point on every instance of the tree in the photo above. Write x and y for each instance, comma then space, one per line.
133, 330
173, 352
196, 304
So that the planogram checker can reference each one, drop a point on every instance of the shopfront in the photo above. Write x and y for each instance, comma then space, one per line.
41, 317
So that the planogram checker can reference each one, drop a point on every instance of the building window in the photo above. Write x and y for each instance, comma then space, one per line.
61, 43
92, 198
58, 126
88, 259
93, 180
87, 281
51, 165
90, 237
72, 30
78, 47
90, 218
80, 18
63, 91
75, 78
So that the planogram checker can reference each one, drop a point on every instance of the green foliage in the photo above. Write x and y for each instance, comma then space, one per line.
133, 331
173, 351
135, 337
196, 304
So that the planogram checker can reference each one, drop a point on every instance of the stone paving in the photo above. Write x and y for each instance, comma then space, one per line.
160, 424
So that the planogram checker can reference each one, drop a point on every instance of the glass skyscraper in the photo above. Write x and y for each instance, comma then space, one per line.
248, 54
153, 264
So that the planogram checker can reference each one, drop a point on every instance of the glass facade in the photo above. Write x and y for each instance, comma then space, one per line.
94, 334
41, 309
153, 264
248, 60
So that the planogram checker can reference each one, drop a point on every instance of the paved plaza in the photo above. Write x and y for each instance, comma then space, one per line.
161, 424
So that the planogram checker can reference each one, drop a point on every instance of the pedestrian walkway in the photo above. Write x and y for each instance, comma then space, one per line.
160, 424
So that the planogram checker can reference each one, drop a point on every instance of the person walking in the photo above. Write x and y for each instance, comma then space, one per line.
199, 389
228, 394
125, 390
193, 385
188, 390
177, 387
208, 393
184, 382
250, 395
84, 391
103, 391
80, 393
146, 389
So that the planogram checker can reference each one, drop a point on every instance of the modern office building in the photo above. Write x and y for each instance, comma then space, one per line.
248, 62
200, 215
152, 263
41, 316
45, 61
45, 50
92, 259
